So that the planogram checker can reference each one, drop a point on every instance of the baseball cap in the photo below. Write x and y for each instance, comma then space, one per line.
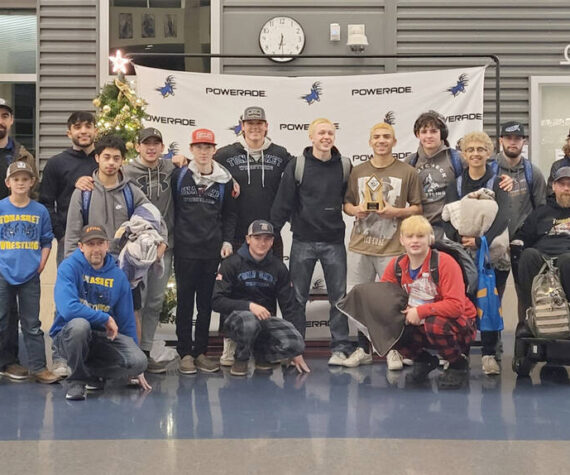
253, 113
563, 172
260, 226
92, 231
513, 128
20, 166
148, 133
4, 104
203, 136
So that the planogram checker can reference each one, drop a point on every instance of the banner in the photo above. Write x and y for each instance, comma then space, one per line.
179, 102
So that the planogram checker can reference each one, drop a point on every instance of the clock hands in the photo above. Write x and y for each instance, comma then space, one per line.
281, 43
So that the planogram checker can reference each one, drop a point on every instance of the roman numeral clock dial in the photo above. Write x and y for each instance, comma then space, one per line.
282, 35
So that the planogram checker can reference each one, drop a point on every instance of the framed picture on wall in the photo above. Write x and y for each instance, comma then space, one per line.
170, 26
148, 26
125, 26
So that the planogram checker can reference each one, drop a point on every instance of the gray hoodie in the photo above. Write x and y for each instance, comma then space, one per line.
107, 209
155, 184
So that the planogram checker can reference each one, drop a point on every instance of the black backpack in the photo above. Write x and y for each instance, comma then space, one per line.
461, 256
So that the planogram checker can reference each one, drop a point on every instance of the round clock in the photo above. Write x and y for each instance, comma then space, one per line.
282, 35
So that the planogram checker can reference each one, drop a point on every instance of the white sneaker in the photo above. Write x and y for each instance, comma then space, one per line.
490, 365
61, 369
337, 358
358, 357
394, 361
227, 358
407, 362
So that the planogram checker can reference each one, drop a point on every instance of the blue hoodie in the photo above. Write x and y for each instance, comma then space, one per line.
83, 292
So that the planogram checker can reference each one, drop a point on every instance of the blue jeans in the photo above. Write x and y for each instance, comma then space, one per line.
90, 354
304, 256
28, 295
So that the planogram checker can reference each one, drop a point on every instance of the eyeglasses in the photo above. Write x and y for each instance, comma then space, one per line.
475, 149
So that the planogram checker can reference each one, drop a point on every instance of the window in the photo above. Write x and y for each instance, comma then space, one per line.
161, 26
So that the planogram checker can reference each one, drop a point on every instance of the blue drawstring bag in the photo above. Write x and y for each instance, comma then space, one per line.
489, 312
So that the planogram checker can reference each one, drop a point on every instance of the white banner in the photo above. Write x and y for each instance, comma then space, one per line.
179, 102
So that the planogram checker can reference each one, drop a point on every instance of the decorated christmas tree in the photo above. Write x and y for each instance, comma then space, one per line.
119, 110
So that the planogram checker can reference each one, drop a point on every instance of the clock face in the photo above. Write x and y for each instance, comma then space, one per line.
282, 35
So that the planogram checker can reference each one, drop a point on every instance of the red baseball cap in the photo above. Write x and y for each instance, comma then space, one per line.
203, 136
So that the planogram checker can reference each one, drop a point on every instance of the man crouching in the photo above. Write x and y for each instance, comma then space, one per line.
439, 315
247, 287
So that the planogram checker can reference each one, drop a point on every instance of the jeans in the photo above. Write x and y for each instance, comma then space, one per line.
272, 340
194, 278
152, 299
90, 354
28, 295
304, 256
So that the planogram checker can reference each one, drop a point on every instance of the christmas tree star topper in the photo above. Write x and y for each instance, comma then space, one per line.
119, 62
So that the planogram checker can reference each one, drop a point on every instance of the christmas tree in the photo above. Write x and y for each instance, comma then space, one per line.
119, 110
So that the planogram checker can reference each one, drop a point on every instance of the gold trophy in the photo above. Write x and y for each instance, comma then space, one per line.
373, 200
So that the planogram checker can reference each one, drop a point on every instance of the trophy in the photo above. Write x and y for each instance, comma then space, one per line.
373, 200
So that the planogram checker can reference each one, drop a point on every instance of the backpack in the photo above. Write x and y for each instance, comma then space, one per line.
549, 315
461, 256
86, 202
528, 176
183, 172
300, 169
454, 157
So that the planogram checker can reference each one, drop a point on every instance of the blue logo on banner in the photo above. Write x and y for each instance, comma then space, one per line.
314, 95
172, 150
460, 87
236, 129
390, 118
168, 88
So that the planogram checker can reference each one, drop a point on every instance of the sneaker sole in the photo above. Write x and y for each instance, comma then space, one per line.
226, 362
208, 370
184, 371
156, 371
14, 377
238, 373
46, 381
74, 398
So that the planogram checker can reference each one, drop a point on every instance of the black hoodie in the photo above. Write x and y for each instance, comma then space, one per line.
547, 229
242, 280
58, 182
315, 206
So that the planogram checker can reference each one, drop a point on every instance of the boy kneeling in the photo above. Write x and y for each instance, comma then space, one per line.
439, 315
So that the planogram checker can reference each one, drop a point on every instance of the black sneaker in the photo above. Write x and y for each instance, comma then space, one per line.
96, 384
455, 375
75, 392
424, 364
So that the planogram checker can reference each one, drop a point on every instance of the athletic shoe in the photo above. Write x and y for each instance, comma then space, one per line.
490, 365
16, 372
262, 365
227, 358
455, 375
394, 361
61, 369
96, 384
45, 376
239, 368
205, 364
187, 365
424, 364
358, 357
337, 358
407, 362
75, 392
156, 367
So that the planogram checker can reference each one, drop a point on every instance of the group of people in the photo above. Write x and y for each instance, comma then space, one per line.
216, 218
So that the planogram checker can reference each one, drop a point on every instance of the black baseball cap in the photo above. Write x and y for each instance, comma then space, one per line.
92, 231
4, 105
513, 128
563, 172
148, 133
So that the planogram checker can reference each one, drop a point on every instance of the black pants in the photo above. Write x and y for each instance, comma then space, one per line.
489, 339
195, 278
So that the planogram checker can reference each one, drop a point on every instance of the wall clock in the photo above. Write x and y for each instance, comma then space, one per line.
282, 35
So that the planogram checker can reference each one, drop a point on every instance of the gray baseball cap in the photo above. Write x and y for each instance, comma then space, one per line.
253, 113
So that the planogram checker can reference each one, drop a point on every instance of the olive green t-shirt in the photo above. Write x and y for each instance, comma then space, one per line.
374, 235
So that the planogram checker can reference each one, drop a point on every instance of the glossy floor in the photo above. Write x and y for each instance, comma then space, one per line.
333, 420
